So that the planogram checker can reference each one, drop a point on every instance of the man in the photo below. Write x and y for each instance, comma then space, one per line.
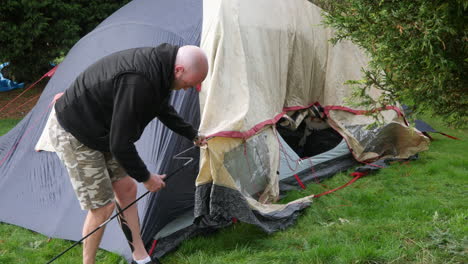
98, 119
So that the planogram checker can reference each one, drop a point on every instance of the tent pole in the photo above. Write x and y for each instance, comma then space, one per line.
121, 211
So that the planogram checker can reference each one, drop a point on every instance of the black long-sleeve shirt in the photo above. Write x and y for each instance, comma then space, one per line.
109, 105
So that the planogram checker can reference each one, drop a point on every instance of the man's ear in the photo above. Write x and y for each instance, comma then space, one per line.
178, 70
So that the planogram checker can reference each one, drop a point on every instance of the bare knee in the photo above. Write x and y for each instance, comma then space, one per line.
130, 189
125, 189
102, 212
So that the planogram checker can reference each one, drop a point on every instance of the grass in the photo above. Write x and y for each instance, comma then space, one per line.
19, 245
408, 213
6, 125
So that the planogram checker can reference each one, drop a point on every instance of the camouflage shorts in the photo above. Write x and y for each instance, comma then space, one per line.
91, 172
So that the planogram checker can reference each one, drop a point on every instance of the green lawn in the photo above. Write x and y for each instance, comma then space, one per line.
6, 125
409, 213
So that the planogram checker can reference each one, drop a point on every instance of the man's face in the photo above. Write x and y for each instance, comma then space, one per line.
184, 79
182, 84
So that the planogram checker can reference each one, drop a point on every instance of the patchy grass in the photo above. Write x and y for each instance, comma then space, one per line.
408, 213
7, 124
19, 245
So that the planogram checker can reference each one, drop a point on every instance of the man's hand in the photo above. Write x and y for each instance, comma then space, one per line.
199, 141
155, 182
57, 96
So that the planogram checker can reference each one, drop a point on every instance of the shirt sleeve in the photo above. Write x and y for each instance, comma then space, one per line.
170, 118
132, 95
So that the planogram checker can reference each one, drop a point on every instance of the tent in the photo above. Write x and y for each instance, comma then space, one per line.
274, 92
263, 70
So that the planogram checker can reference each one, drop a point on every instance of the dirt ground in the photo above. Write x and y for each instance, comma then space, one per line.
19, 107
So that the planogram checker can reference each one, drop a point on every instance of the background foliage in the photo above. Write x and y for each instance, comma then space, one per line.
418, 51
35, 32
418, 48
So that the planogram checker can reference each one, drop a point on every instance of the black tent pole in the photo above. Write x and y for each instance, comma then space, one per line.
117, 214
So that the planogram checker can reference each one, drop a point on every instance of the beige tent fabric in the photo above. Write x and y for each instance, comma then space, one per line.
265, 55
394, 139
268, 54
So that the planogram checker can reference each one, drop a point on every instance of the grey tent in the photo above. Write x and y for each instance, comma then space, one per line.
34, 187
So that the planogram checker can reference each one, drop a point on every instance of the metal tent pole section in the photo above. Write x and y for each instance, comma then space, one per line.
189, 160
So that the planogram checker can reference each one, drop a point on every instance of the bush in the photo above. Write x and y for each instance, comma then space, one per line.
35, 32
418, 51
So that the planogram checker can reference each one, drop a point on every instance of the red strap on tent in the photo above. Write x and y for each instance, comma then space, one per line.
51, 72
25, 103
356, 175
452, 137
152, 247
360, 174
299, 181
48, 74
249, 133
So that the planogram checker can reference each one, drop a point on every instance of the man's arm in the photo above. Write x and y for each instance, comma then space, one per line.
170, 118
132, 93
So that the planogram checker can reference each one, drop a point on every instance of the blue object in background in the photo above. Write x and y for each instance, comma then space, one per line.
7, 84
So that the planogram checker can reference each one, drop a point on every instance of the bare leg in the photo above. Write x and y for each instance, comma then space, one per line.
94, 218
125, 192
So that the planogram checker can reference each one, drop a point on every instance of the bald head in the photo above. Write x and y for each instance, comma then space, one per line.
191, 67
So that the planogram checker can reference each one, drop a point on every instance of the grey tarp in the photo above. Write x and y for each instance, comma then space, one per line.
35, 191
